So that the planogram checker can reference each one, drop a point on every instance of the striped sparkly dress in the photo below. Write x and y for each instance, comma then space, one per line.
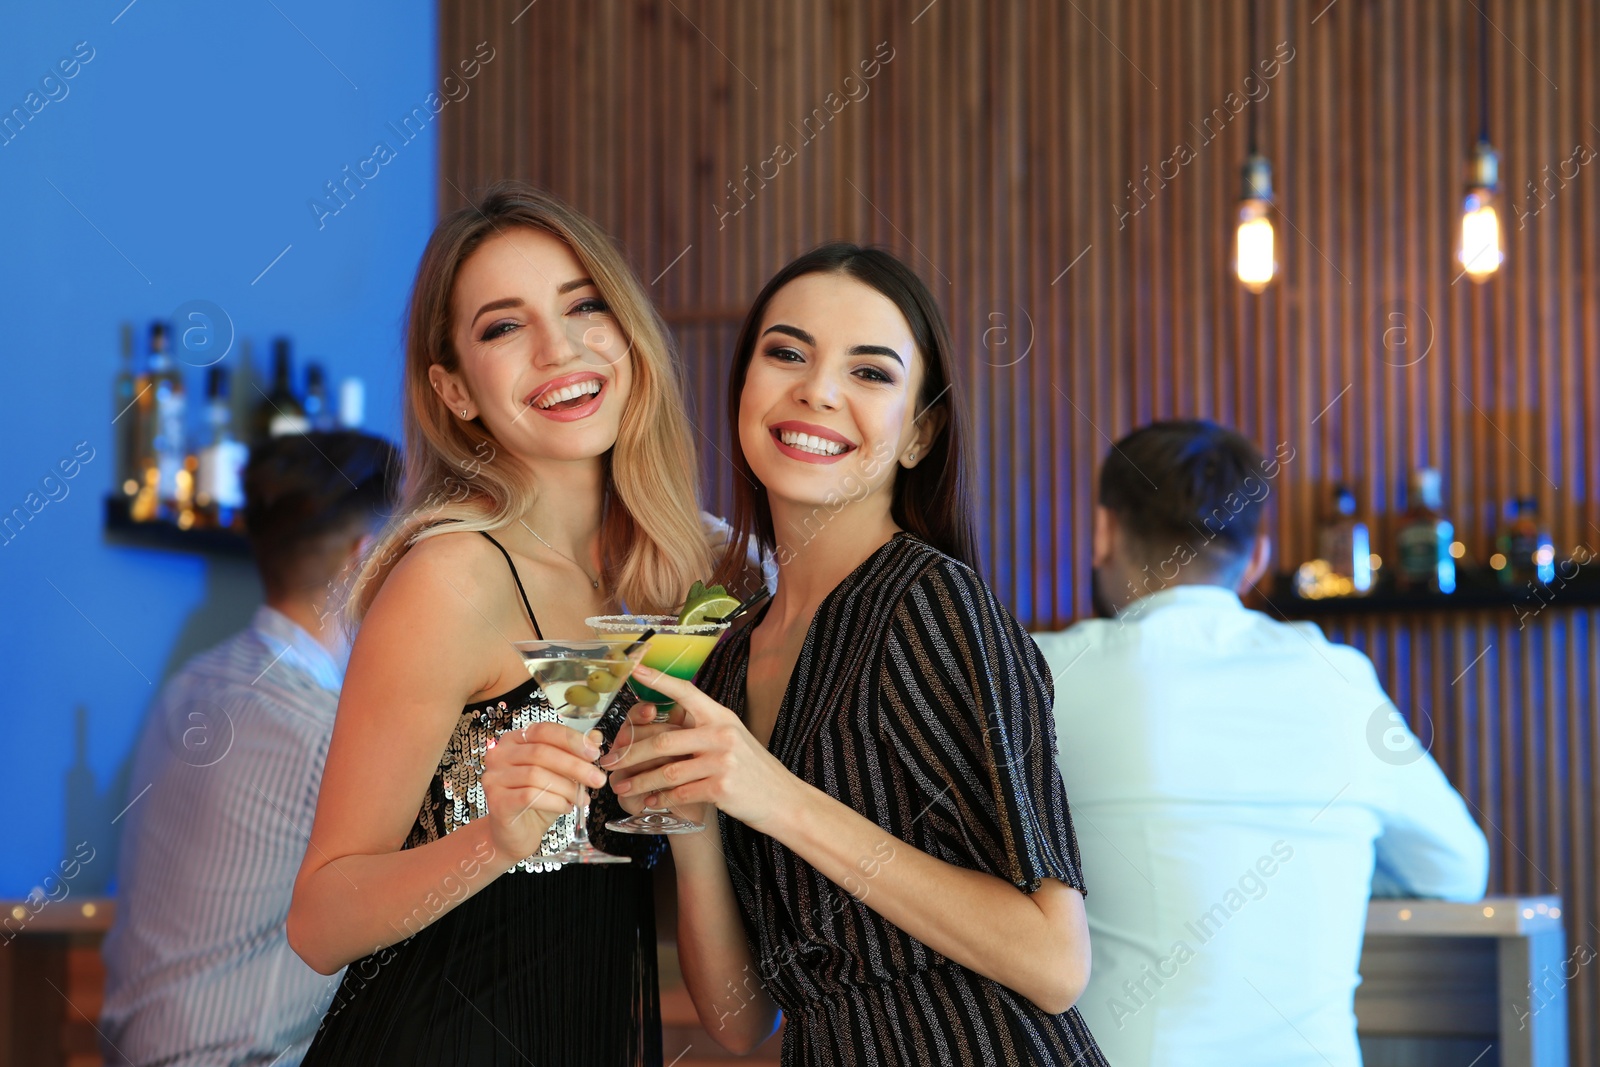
920, 702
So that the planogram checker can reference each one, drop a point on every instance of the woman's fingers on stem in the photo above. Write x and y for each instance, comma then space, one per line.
644, 744
573, 768
550, 793
683, 796
521, 746
629, 735
621, 780
660, 776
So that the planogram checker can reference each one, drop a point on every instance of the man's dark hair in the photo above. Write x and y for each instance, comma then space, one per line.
305, 494
1187, 482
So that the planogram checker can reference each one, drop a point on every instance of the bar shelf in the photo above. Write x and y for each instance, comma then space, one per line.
122, 529
1475, 590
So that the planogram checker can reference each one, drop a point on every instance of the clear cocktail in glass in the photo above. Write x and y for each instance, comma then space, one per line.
580, 678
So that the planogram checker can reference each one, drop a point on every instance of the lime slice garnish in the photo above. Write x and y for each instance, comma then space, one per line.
703, 604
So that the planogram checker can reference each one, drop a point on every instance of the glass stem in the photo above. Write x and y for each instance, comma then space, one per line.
661, 717
580, 832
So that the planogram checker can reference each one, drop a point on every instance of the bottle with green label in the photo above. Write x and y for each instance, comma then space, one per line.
1425, 538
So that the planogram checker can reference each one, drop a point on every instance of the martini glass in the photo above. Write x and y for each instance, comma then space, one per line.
677, 649
580, 678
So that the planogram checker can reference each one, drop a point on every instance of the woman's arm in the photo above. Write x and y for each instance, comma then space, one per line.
419, 657
1034, 943
723, 980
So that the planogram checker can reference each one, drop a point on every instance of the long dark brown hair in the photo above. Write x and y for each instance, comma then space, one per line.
931, 499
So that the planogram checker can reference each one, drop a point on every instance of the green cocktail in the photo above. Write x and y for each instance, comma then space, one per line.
677, 649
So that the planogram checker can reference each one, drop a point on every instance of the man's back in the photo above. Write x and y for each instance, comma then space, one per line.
198, 967
1230, 777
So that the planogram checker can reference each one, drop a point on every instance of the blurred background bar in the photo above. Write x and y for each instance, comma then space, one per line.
1026, 158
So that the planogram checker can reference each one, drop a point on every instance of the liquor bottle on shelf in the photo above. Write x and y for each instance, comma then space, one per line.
125, 396
219, 493
166, 429
245, 390
1525, 552
352, 403
280, 411
1425, 537
319, 406
188, 479
1346, 545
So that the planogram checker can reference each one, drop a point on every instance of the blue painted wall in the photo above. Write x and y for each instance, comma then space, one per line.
176, 163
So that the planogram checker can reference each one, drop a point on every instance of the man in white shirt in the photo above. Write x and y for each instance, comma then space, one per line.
199, 972
1240, 785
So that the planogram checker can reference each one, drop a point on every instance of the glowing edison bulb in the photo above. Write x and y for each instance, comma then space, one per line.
1480, 252
1253, 246
1480, 236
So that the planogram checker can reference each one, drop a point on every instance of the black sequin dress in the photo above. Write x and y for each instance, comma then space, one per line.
546, 966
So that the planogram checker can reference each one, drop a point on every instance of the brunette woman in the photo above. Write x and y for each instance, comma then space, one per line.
896, 868
549, 477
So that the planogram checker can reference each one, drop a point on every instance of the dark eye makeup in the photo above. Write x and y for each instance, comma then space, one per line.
589, 305
868, 373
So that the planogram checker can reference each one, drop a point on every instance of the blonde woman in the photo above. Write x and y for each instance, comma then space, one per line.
549, 477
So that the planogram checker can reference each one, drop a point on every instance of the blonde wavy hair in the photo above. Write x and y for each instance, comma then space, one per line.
652, 543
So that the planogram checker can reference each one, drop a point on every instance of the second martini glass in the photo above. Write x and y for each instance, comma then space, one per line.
677, 649
580, 678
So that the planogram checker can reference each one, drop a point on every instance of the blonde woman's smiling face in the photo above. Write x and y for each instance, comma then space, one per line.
827, 411
542, 361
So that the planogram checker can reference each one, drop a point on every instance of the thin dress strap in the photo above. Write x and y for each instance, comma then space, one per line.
524, 593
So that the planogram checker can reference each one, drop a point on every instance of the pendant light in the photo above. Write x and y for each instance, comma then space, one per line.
1254, 246
1480, 253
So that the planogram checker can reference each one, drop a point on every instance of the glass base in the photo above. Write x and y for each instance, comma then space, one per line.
585, 853
654, 822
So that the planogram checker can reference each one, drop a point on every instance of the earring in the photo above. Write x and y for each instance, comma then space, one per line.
463, 413
911, 457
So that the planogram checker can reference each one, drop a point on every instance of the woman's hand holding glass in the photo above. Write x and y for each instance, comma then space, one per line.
530, 777
703, 756
644, 722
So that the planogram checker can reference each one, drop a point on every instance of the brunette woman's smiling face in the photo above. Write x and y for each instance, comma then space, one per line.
542, 360
828, 409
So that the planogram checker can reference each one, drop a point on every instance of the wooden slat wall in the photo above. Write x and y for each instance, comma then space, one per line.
998, 150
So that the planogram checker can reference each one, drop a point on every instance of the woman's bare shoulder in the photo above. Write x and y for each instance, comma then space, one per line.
444, 581
437, 616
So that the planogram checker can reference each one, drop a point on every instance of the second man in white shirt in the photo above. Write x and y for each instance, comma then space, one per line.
1238, 782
